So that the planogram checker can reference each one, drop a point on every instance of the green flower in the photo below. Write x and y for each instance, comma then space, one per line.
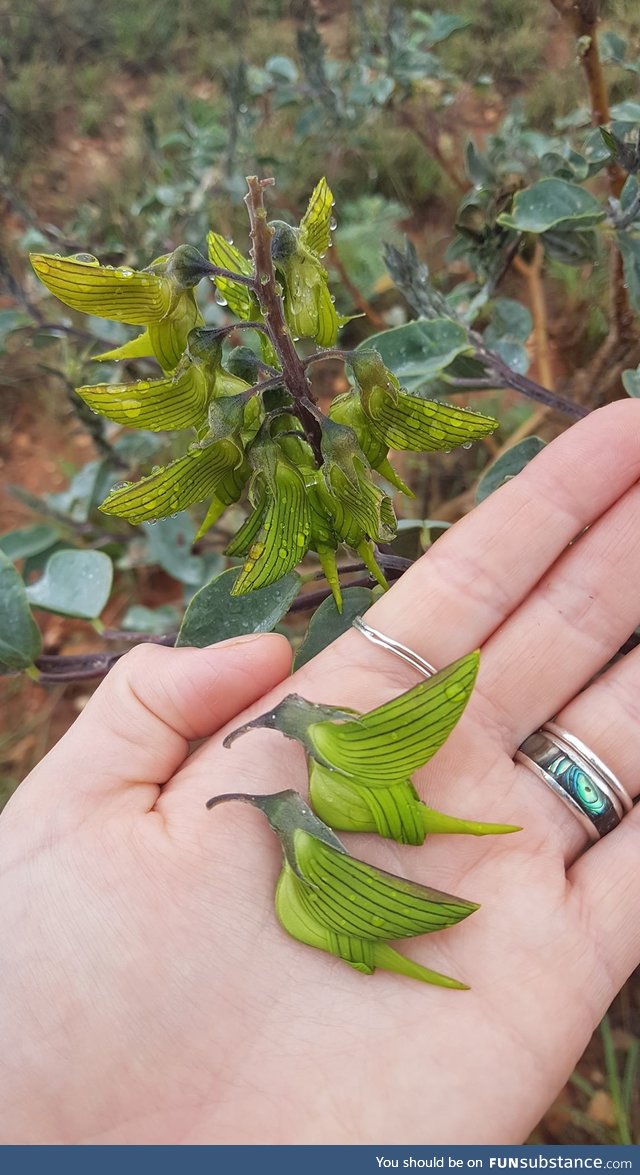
160, 297
359, 512
308, 305
360, 764
204, 471
403, 421
347, 409
275, 536
336, 903
177, 401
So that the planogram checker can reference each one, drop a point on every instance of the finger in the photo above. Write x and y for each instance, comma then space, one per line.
606, 883
570, 626
478, 573
606, 717
136, 728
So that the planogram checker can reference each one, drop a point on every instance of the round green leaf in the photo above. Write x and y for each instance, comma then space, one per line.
20, 640
215, 615
507, 466
419, 351
327, 624
75, 583
552, 203
631, 381
27, 541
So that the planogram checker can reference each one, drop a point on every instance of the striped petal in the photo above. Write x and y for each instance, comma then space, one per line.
156, 404
387, 745
137, 348
122, 295
423, 426
283, 538
316, 222
169, 338
239, 298
190, 479
351, 806
353, 898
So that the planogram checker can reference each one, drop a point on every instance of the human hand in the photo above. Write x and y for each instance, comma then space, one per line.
150, 995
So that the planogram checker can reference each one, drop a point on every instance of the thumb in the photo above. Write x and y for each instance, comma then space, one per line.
136, 728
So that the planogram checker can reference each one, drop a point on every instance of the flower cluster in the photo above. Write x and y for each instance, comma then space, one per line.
309, 478
359, 781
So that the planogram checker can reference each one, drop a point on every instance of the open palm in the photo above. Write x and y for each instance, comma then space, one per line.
152, 996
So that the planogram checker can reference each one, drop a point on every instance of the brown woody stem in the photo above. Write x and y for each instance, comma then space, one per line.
266, 288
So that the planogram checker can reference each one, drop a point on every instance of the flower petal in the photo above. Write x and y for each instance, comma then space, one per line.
387, 745
122, 295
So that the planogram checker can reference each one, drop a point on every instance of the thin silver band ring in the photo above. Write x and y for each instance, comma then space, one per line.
402, 651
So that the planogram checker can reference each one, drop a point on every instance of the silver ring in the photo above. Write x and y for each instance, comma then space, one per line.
386, 642
577, 776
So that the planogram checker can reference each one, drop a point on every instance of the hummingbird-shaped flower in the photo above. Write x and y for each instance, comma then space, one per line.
177, 401
339, 904
400, 420
275, 536
161, 298
361, 764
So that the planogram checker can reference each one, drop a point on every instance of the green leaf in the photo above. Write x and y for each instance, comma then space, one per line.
419, 351
170, 542
157, 621
20, 640
443, 24
75, 583
214, 614
631, 381
629, 247
509, 329
85, 490
552, 203
11, 320
508, 465
327, 624
282, 68
511, 320
612, 47
27, 541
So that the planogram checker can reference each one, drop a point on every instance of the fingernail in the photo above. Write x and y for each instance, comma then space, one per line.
237, 640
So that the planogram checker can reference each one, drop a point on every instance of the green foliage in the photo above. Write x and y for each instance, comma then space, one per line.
19, 635
327, 623
74, 583
217, 613
508, 465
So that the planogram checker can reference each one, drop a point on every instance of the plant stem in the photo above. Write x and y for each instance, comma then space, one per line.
532, 272
266, 288
583, 16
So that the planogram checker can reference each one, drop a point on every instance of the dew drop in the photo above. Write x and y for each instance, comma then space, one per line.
85, 258
468, 445
333, 223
